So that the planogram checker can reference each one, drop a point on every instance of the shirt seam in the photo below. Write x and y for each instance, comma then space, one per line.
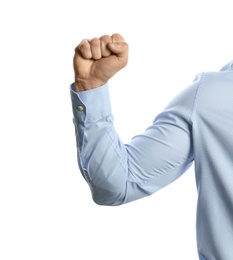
194, 109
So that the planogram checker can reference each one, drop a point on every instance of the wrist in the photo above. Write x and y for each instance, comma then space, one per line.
84, 85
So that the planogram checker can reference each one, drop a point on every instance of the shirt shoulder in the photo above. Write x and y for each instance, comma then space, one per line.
214, 94
228, 66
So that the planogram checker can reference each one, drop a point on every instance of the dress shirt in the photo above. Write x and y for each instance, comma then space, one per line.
196, 126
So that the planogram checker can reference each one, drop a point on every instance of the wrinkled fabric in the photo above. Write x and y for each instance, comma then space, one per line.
195, 127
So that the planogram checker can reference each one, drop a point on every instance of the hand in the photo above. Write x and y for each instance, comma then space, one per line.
97, 60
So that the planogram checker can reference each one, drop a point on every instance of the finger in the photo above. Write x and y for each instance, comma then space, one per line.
104, 40
120, 49
84, 49
118, 46
95, 48
116, 37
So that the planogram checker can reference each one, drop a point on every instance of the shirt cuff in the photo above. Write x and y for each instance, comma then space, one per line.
91, 105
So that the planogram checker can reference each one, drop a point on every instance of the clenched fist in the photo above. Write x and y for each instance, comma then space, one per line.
97, 60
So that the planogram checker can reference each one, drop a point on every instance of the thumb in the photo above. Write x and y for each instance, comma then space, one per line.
117, 47
120, 49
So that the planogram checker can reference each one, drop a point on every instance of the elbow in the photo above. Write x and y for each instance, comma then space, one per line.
106, 202
106, 198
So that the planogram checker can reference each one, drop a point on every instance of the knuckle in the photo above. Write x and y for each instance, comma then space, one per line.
117, 37
84, 49
84, 46
95, 42
105, 38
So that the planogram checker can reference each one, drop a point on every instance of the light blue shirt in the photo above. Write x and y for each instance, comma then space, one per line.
196, 126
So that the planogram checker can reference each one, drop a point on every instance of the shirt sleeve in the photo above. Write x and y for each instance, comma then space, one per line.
119, 173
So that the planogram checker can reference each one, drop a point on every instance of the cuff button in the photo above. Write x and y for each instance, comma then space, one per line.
80, 108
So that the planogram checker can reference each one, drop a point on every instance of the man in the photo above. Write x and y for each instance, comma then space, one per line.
197, 125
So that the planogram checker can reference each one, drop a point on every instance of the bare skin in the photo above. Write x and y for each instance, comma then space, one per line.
97, 60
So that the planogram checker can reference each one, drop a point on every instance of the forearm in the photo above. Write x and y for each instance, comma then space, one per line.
101, 155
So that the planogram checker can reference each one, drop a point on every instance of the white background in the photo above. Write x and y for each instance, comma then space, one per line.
46, 210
